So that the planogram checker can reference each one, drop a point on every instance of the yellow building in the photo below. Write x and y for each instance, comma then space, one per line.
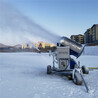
78, 38
36, 44
81, 38
42, 44
24, 46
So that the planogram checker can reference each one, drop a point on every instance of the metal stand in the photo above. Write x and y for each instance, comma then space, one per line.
63, 60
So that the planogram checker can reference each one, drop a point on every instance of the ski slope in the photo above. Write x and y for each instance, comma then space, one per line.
23, 75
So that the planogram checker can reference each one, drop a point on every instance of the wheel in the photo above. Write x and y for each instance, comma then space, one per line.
85, 70
77, 78
48, 69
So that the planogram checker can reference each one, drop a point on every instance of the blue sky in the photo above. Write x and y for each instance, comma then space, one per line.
64, 17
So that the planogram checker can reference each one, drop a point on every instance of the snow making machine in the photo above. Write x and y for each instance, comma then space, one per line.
62, 61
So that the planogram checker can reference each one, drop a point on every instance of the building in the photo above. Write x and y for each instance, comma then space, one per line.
74, 37
88, 36
42, 44
91, 35
39, 45
45, 47
94, 29
24, 46
18, 46
27, 46
78, 38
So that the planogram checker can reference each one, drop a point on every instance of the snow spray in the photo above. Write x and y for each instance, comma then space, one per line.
17, 28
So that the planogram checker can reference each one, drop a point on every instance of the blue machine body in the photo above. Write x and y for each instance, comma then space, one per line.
72, 63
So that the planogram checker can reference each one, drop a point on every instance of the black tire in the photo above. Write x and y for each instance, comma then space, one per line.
48, 69
85, 70
77, 78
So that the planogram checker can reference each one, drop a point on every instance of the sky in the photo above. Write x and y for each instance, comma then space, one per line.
62, 17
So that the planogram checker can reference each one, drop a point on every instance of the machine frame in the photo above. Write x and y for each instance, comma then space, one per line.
62, 58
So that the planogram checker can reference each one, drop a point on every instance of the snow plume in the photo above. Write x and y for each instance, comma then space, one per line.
17, 28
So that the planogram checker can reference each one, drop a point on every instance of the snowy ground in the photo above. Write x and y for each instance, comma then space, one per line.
91, 50
23, 75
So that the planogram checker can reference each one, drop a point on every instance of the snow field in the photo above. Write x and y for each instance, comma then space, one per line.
23, 75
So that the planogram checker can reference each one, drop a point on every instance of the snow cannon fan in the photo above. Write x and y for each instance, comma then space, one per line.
62, 61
